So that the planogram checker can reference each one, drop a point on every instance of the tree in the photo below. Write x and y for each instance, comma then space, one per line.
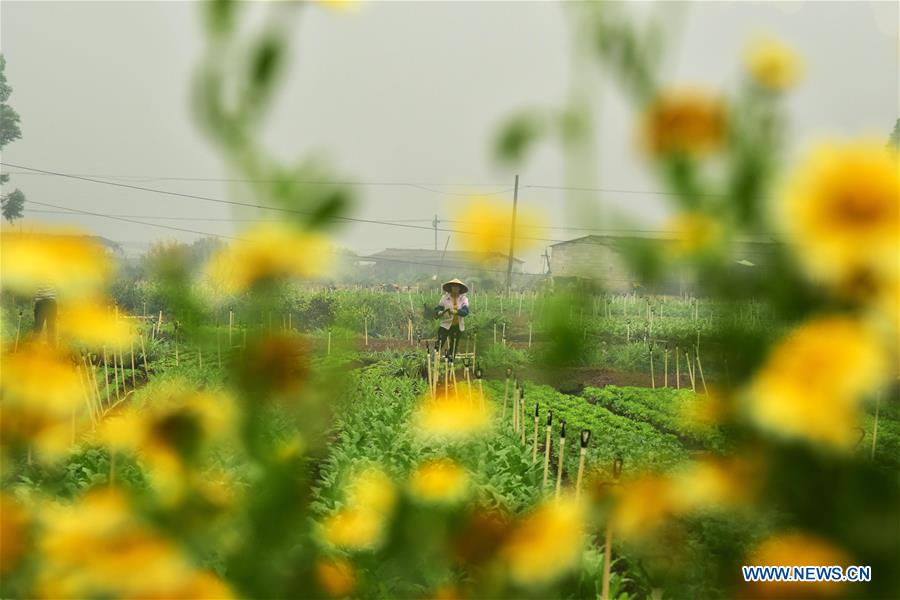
894, 140
11, 204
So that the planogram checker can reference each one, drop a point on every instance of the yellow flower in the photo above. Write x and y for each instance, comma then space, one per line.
772, 64
371, 489
694, 232
14, 524
685, 121
64, 259
98, 547
642, 505
93, 324
354, 528
488, 224
268, 252
439, 481
41, 392
841, 210
795, 548
336, 577
546, 544
711, 483
811, 383
451, 417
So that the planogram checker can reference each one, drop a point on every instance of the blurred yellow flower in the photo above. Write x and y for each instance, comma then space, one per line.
41, 393
772, 64
684, 121
488, 224
371, 489
711, 483
336, 577
811, 384
267, 252
14, 523
694, 232
66, 260
642, 505
451, 417
841, 209
545, 544
93, 324
354, 528
796, 548
99, 547
439, 481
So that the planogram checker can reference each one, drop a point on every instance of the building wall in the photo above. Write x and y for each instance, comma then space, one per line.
591, 259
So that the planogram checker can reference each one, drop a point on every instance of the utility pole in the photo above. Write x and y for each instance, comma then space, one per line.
435, 224
512, 237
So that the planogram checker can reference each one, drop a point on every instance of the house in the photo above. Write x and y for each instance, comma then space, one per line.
405, 265
602, 260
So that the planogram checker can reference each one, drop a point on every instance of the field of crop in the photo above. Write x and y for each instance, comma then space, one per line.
269, 341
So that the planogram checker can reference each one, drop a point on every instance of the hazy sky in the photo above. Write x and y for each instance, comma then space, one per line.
392, 92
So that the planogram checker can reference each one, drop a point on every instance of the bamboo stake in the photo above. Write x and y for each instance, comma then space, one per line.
875, 426
522, 415
547, 446
677, 369
468, 381
230, 327
428, 366
122, 367
495, 334
133, 374
515, 407
146, 359
585, 438
505, 392
666, 368
537, 409
562, 456
652, 375
218, 347
115, 371
607, 546
18, 328
200, 357
88, 398
529, 335
519, 313
329, 342
702, 378
691, 372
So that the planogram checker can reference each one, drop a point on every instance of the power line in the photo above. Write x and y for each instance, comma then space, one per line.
150, 178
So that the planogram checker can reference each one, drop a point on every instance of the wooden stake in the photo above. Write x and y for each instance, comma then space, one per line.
146, 358
607, 546
702, 378
585, 438
522, 415
529, 335
133, 374
562, 456
677, 369
547, 446
652, 376
505, 392
534, 443
329, 342
875, 425
18, 328
116, 372
367, 330
666, 368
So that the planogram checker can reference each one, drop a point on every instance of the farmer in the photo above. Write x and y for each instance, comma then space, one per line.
454, 305
45, 312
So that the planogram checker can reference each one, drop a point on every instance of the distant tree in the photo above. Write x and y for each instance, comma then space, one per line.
894, 140
12, 204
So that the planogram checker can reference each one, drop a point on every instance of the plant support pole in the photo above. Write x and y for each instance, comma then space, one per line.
547, 445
